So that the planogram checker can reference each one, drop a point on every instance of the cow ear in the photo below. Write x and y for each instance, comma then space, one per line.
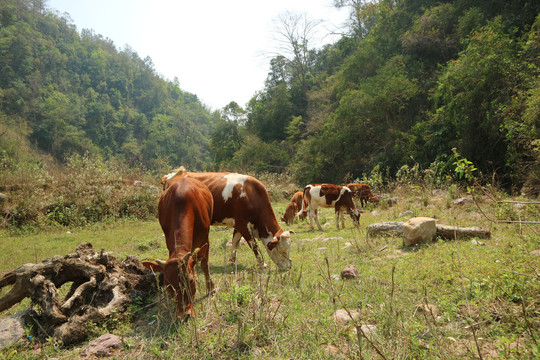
272, 244
155, 266
196, 252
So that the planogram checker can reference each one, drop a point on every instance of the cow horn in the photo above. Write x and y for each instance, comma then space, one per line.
161, 263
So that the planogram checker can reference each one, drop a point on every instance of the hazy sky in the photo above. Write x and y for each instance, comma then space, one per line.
219, 50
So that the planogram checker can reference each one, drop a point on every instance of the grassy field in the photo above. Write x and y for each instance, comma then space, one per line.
443, 300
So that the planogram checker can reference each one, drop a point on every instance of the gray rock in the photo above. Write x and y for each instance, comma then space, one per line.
390, 228
3, 197
463, 201
12, 329
342, 316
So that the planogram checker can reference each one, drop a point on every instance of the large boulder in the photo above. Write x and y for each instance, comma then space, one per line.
419, 230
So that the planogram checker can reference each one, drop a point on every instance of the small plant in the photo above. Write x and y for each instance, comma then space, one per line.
464, 169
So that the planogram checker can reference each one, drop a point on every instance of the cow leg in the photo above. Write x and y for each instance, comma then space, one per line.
237, 235
316, 211
311, 216
339, 216
235, 241
206, 271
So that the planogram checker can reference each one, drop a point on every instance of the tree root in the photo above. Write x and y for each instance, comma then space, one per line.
100, 284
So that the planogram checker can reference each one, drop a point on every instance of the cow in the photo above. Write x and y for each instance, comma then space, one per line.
242, 203
185, 211
363, 192
290, 213
293, 207
328, 196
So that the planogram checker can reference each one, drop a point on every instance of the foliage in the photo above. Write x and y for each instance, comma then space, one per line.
407, 82
77, 93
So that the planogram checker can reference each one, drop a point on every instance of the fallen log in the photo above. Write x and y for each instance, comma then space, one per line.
395, 228
99, 284
454, 232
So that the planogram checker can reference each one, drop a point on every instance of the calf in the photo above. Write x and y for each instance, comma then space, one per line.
293, 207
327, 196
242, 202
290, 213
363, 192
298, 198
184, 211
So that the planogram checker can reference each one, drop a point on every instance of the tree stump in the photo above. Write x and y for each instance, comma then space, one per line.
99, 284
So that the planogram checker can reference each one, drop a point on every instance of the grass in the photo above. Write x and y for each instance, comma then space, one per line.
446, 299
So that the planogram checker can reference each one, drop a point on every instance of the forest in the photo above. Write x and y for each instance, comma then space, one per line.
408, 81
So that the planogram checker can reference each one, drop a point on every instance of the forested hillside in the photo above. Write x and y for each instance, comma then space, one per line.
69, 92
407, 82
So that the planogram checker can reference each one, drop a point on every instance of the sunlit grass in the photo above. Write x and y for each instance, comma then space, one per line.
492, 289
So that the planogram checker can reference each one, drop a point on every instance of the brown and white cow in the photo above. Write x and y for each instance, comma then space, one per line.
290, 213
328, 196
292, 209
363, 192
242, 203
184, 211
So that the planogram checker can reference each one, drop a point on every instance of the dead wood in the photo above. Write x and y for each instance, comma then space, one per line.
454, 232
99, 283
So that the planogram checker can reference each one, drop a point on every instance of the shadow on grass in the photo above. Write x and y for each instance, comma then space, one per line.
227, 269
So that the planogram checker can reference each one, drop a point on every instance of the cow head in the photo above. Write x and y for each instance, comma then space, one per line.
355, 214
279, 249
179, 280
374, 199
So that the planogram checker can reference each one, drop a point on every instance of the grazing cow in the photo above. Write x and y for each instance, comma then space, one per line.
184, 211
242, 202
363, 192
290, 213
327, 196
293, 207
298, 198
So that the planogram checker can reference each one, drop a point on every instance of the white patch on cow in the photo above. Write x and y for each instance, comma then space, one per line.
232, 181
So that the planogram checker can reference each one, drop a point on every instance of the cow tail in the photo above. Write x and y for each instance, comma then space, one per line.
303, 202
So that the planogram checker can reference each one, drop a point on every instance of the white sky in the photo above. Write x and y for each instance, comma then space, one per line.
219, 50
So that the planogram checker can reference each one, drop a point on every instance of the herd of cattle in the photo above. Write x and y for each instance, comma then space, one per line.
191, 202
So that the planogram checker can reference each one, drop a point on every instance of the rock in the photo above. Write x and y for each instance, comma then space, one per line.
12, 328
419, 230
463, 201
342, 317
102, 346
438, 192
347, 245
454, 232
535, 252
406, 213
478, 243
350, 272
427, 308
393, 201
368, 330
391, 228
138, 183
3, 197
375, 213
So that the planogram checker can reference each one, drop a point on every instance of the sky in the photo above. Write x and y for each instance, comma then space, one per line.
219, 50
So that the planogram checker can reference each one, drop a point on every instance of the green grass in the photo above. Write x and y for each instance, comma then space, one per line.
481, 294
